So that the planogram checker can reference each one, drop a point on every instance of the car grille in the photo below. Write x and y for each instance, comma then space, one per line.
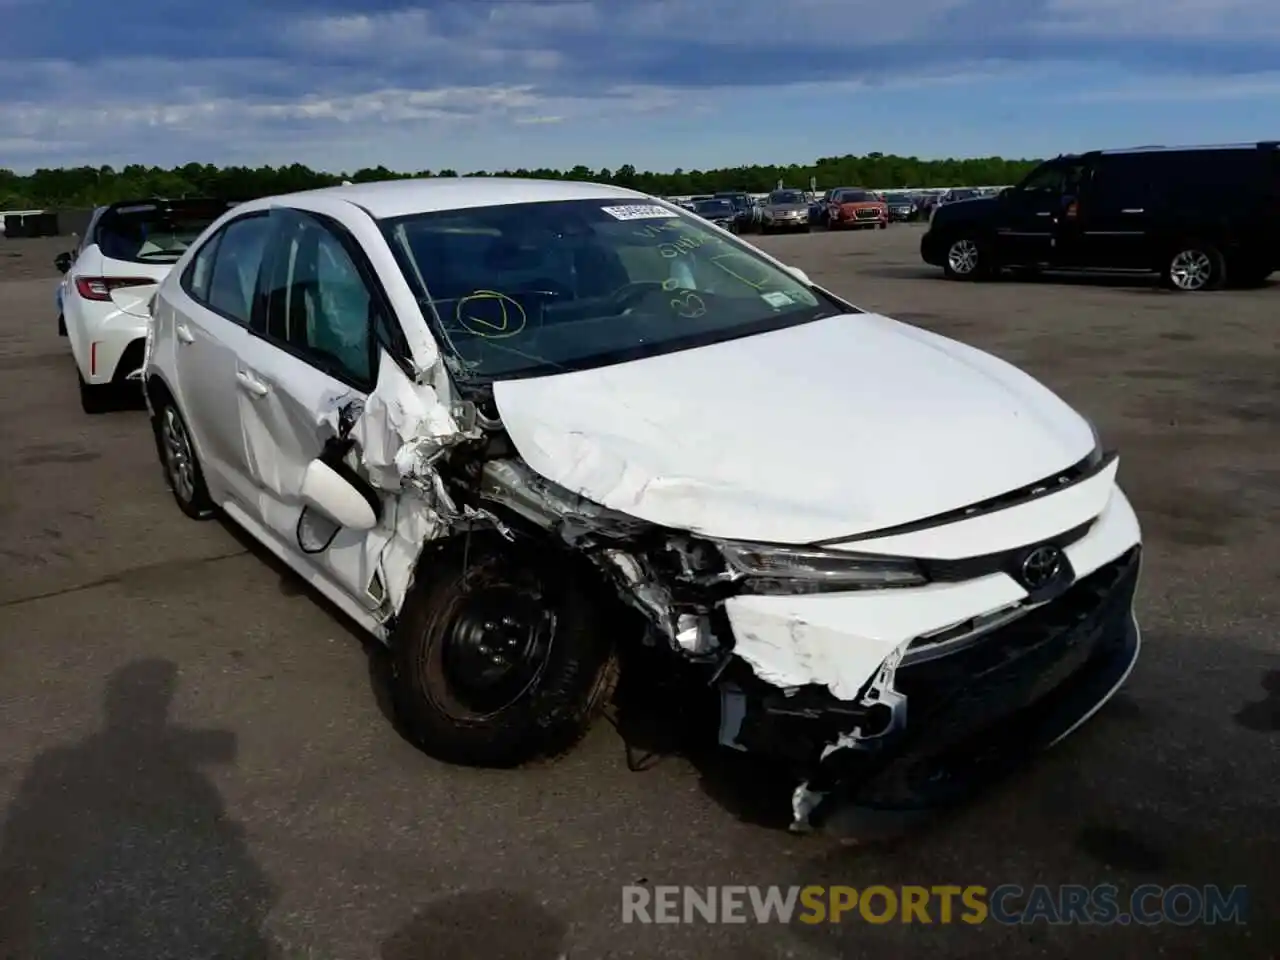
868, 214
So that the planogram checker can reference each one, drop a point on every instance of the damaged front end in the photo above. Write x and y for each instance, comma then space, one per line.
818, 657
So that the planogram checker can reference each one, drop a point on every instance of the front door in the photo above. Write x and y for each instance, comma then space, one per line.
311, 364
1027, 218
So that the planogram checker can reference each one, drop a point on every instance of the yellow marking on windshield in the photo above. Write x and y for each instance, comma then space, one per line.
689, 305
490, 315
759, 283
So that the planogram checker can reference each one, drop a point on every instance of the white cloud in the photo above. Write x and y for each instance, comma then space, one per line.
415, 34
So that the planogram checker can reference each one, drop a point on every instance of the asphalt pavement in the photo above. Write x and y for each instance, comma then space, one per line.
195, 757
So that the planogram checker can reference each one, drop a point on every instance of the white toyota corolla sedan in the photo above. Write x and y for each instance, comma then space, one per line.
102, 298
513, 427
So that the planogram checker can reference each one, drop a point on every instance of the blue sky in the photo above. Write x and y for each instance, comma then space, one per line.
474, 84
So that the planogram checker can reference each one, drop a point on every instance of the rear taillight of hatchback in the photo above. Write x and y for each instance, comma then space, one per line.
99, 288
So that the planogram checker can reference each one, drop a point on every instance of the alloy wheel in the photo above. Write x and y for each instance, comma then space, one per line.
963, 257
178, 459
1191, 270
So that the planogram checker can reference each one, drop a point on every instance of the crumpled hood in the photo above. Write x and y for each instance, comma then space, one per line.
833, 428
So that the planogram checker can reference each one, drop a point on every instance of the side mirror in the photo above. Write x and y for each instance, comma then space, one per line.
62, 262
1005, 191
328, 492
800, 275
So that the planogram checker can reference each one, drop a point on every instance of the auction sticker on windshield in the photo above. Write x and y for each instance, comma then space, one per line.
639, 211
776, 298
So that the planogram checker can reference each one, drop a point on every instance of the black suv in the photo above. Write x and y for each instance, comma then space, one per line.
1198, 216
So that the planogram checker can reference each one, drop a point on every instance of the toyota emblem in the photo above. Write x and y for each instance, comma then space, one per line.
1040, 566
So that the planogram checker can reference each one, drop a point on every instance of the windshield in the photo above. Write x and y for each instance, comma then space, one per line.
897, 198
714, 206
781, 197
154, 232
854, 196
537, 288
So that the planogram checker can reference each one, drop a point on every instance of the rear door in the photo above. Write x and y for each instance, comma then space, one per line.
313, 362
210, 331
1108, 222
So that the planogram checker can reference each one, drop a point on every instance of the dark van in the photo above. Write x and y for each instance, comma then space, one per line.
1200, 217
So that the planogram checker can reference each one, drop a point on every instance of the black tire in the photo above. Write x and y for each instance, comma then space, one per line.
62, 325
471, 599
96, 398
884, 226
976, 255
1194, 267
189, 490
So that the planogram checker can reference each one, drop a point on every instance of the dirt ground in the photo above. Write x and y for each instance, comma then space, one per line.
275, 812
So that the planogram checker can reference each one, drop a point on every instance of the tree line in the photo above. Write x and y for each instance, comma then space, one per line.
89, 186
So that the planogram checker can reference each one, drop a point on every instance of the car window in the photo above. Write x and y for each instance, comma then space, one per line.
156, 232
318, 303
1049, 180
1121, 180
236, 263
538, 288
200, 270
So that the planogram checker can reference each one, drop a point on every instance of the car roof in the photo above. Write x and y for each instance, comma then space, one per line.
399, 198
1161, 148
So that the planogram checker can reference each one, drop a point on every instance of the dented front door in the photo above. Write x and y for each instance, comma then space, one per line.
312, 363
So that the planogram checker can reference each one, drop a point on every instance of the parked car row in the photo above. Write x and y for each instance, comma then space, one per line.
1199, 217
830, 209
516, 429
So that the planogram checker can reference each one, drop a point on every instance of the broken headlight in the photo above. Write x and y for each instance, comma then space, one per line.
771, 568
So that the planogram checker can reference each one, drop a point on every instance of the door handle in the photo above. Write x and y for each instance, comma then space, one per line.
252, 384
1133, 210
1043, 213
183, 333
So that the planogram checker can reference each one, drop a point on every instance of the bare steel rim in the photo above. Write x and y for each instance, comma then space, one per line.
178, 459
963, 257
1191, 269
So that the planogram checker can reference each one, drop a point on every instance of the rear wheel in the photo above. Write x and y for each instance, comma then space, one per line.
181, 466
500, 655
1193, 267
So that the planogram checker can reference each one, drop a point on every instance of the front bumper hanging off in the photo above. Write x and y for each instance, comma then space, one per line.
960, 715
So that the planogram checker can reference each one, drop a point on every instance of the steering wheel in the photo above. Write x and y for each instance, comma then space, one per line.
630, 294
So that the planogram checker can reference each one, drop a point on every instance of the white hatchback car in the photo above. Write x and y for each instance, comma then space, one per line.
512, 427
127, 249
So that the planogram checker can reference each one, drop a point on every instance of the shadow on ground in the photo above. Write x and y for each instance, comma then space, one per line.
494, 924
119, 846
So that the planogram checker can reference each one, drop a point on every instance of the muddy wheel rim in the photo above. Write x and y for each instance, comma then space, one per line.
178, 459
1191, 270
963, 257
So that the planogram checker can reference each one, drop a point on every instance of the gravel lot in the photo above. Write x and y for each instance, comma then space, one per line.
276, 812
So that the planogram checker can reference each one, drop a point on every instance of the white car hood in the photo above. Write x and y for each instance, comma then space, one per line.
834, 428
